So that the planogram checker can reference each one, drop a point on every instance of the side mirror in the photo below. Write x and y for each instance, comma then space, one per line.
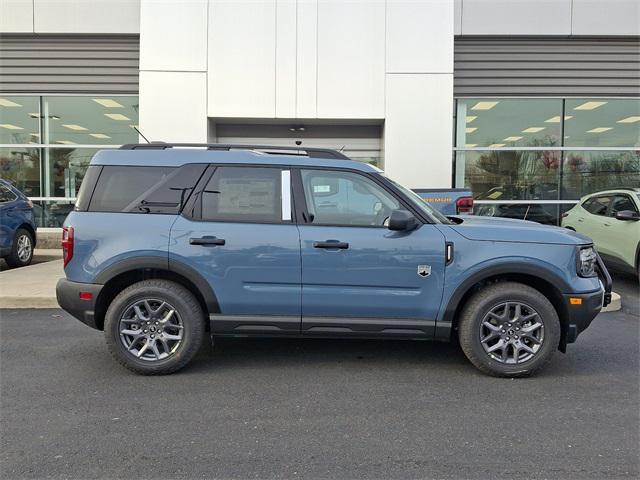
402, 220
628, 215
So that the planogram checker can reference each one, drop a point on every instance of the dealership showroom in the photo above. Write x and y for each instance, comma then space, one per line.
530, 103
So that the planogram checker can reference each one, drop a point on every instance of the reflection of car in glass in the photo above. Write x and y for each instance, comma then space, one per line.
534, 212
169, 244
17, 226
612, 219
449, 201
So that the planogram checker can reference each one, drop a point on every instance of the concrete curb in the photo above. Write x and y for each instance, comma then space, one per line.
615, 305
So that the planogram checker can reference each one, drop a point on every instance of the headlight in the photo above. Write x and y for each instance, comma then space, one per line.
587, 261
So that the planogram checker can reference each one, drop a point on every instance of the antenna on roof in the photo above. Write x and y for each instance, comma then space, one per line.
140, 133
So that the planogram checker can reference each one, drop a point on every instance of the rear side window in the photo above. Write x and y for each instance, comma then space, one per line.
144, 189
6, 195
86, 188
597, 205
243, 194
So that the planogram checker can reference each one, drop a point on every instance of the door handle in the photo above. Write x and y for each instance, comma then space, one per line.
607, 224
207, 241
331, 244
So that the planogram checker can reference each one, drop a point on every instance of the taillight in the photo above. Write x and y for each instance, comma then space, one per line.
67, 244
464, 205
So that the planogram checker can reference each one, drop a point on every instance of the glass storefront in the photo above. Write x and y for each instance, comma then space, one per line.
534, 157
47, 142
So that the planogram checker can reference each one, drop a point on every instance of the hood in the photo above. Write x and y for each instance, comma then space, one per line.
496, 229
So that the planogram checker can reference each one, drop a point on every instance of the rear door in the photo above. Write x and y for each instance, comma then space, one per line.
359, 277
239, 233
593, 223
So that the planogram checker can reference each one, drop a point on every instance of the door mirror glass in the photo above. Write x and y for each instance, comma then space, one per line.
402, 220
627, 215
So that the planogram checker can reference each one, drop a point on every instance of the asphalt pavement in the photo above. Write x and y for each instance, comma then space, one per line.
316, 408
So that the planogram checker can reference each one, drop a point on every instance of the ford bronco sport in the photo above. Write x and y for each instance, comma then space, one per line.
168, 245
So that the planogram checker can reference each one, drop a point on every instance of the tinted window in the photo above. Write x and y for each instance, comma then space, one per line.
243, 194
597, 205
346, 198
144, 189
620, 203
86, 188
118, 187
6, 195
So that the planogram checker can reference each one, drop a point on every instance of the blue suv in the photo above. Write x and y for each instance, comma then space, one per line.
170, 243
17, 226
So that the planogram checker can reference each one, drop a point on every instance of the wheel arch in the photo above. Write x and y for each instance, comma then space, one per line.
122, 274
547, 283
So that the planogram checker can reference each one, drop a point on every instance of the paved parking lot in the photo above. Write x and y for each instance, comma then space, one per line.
316, 408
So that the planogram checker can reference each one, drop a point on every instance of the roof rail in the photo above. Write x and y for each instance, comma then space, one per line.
268, 149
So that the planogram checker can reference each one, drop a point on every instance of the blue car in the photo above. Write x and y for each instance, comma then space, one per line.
17, 226
170, 245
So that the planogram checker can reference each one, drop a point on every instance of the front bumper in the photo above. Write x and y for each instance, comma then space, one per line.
582, 314
68, 296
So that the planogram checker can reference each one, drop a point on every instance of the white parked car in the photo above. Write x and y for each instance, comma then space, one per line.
612, 219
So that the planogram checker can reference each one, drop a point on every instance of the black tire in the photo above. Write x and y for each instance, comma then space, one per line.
186, 307
487, 300
16, 258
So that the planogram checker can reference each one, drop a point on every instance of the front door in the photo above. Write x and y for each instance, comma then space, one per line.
359, 277
240, 236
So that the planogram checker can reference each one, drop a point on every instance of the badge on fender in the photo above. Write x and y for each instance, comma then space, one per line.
424, 270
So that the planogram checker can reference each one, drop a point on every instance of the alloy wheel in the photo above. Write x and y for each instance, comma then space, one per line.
511, 332
24, 248
151, 329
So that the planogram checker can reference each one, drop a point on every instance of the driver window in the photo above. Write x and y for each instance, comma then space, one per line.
346, 199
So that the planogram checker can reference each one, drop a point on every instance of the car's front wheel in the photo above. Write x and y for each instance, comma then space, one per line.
154, 327
21, 249
509, 330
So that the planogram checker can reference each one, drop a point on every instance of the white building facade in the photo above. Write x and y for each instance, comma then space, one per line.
493, 95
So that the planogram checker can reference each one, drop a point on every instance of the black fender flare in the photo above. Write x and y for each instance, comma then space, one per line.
518, 268
162, 263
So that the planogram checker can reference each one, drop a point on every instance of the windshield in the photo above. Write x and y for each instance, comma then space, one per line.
419, 203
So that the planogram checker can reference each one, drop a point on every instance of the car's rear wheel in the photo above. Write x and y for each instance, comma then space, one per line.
154, 327
509, 330
21, 249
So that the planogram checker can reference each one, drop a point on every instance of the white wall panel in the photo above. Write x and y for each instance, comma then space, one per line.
418, 133
87, 16
285, 58
606, 17
16, 16
351, 45
173, 36
242, 51
516, 17
173, 106
307, 59
457, 17
419, 36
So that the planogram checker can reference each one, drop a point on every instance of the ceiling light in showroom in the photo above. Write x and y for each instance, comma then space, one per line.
107, 102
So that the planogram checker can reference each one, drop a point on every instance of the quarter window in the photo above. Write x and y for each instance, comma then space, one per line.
244, 194
346, 199
6, 195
